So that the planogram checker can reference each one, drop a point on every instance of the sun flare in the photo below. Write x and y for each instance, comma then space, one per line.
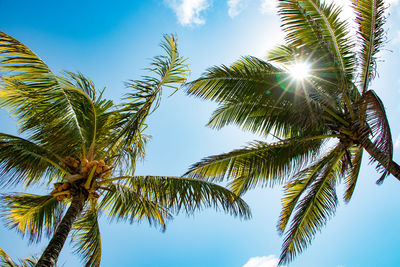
299, 71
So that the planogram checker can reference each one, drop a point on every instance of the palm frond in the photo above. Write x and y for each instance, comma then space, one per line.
352, 175
32, 215
282, 54
260, 163
6, 260
86, 235
248, 77
264, 116
378, 131
187, 194
316, 25
316, 207
125, 203
370, 17
167, 70
27, 162
82, 92
34, 95
258, 97
295, 188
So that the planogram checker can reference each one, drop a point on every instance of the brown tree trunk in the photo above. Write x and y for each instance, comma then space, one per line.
50, 255
389, 165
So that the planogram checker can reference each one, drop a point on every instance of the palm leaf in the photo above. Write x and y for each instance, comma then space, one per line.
259, 97
249, 77
314, 24
260, 163
32, 215
6, 260
370, 17
378, 131
352, 175
167, 71
124, 203
31, 92
25, 161
295, 188
317, 206
86, 235
187, 194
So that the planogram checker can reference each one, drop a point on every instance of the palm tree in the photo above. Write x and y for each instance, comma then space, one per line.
89, 146
322, 123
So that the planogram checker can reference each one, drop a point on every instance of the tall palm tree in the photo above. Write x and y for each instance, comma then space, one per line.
323, 123
89, 146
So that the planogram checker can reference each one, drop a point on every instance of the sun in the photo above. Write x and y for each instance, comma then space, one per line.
299, 71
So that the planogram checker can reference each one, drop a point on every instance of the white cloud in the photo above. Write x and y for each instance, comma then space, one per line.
189, 11
268, 6
265, 261
235, 7
397, 142
392, 2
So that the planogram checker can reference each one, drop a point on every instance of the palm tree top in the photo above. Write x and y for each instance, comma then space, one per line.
89, 147
322, 122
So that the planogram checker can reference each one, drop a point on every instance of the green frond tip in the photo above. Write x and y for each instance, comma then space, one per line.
156, 198
6, 261
86, 236
168, 70
370, 18
259, 163
316, 207
24, 161
31, 215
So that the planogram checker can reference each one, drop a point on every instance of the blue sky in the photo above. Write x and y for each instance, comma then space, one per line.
112, 42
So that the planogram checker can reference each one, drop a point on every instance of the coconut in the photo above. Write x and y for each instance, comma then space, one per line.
101, 162
85, 162
99, 170
66, 186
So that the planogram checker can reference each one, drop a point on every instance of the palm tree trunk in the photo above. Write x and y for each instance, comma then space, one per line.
50, 255
389, 165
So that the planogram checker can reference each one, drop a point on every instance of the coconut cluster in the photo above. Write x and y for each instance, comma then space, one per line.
70, 162
102, 168
61, 191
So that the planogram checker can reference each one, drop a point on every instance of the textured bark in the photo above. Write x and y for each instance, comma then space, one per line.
390, 166
50, 255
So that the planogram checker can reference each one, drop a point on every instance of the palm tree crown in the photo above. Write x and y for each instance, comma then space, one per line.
89, 146
323, 122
